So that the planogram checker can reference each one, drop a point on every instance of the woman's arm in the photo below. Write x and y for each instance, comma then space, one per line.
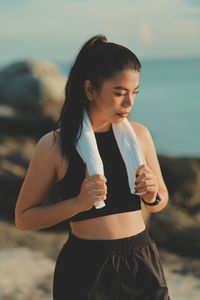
30, 213
152, 162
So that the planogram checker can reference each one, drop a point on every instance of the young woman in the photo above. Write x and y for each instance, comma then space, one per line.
109, 253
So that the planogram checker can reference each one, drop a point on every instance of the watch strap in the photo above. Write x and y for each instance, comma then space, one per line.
156, 202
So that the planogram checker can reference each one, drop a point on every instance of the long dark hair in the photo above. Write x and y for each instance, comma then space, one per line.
96, 61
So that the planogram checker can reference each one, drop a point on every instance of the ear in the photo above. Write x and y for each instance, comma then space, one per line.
89, 90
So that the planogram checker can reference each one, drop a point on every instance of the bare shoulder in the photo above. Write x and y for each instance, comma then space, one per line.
48, 148
143, 134
49, 145
140, 129
50, 141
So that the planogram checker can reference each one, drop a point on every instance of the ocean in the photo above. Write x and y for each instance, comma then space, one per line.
168, 104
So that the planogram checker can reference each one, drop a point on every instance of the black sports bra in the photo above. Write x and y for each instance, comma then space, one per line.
119, 197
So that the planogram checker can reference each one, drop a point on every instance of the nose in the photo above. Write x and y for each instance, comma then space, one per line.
128, 101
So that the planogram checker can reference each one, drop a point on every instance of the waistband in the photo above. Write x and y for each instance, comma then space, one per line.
115, 246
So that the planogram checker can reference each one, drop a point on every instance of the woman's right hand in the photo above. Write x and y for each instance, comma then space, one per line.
93, 189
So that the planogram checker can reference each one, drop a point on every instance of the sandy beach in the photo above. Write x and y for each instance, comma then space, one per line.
27, 260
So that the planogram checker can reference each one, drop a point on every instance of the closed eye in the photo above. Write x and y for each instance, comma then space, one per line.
118, 94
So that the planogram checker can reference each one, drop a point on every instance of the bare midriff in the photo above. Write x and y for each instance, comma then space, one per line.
114, 226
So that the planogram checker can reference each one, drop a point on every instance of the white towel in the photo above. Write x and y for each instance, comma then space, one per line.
128, 146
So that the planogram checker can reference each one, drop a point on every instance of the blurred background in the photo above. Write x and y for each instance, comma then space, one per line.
39, 41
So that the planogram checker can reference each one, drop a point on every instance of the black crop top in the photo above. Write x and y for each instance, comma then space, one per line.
119, 197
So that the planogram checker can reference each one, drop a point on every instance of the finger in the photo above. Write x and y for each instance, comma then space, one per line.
99, 198
98, 177
96, 185
146, 183
143, 169
143, 176
148, 170
94, 177
139, 169
99, 195
99, 192
148, 189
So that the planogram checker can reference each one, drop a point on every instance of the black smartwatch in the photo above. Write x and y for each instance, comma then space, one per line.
156, 202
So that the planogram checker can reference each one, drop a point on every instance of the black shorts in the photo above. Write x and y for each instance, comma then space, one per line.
121, 269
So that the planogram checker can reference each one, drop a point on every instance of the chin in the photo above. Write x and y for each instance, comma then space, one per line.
118, 119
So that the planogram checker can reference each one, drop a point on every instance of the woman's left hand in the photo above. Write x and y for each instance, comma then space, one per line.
146, 183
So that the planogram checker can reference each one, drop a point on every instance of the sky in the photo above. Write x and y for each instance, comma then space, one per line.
56, 30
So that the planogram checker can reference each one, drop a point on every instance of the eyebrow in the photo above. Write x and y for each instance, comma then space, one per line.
123, 88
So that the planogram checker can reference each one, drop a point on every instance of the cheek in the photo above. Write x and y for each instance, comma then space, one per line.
111, 104
106, 102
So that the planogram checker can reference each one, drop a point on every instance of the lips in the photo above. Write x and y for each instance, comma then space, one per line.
123, 114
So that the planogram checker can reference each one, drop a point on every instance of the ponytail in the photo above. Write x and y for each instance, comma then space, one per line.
96, 61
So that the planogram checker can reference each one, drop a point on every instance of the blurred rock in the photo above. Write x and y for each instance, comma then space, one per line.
177, 227
182, 176
30, 97
31, 94
176, 230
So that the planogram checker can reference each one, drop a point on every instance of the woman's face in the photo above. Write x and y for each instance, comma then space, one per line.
114, 100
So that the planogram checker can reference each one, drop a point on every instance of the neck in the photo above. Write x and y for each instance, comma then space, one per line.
99, 125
